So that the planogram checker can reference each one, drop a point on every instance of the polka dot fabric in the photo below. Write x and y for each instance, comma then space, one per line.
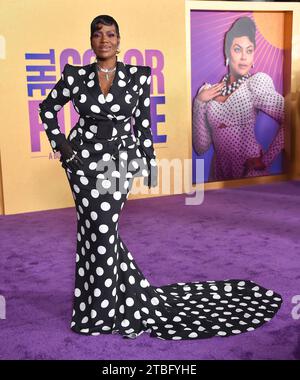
107, 117
111, 294
230, 127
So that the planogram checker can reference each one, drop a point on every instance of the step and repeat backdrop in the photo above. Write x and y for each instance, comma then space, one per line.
190, 46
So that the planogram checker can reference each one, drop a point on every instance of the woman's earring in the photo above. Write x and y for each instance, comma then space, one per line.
252, 65
227, 61
118, 50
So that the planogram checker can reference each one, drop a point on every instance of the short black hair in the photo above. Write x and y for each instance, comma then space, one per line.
243, 26
105, 20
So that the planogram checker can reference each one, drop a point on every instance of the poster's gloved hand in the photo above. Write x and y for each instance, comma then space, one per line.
69, 157
151, 180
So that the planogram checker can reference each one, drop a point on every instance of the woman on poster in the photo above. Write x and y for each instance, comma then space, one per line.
225, 113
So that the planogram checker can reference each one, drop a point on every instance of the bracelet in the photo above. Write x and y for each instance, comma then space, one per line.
71, 158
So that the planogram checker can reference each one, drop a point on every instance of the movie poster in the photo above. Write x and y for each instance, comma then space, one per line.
237, 89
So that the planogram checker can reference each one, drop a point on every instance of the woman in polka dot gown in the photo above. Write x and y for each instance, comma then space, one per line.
228, 121
111, 293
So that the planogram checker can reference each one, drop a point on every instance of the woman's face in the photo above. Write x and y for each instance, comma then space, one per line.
241, 55
104, 41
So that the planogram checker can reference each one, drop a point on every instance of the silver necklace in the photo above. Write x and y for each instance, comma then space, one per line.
106, 71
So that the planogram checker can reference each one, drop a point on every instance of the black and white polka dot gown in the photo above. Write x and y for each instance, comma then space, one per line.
111, 293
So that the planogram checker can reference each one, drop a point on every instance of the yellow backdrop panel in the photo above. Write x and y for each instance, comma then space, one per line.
40, 34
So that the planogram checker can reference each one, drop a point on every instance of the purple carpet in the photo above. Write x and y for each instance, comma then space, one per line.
250, 232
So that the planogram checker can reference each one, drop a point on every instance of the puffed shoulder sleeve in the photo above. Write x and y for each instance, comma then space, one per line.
265, 97
201, 134
49, 107
142, 116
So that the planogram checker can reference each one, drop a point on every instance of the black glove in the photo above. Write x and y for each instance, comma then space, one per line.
69, 157
151, 180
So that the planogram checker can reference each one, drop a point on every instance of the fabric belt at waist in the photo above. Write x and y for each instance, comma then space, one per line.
104, 133
103, 128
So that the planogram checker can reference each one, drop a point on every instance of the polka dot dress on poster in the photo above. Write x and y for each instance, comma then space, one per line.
230, 127
111, 294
